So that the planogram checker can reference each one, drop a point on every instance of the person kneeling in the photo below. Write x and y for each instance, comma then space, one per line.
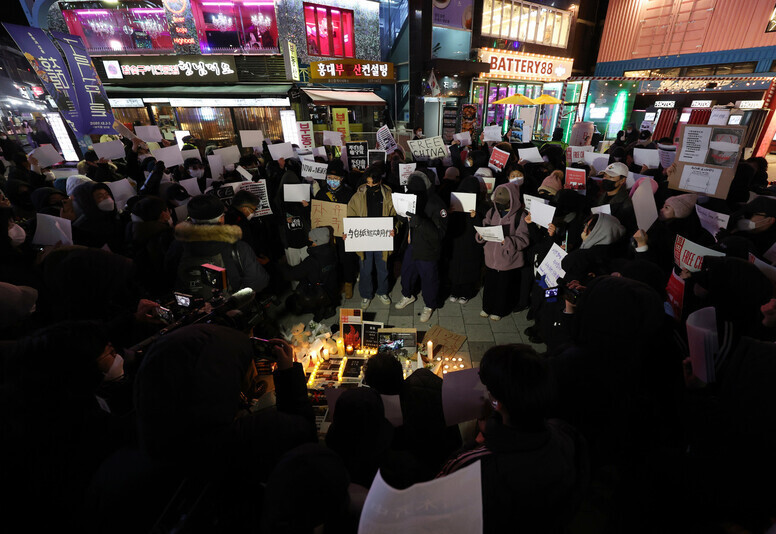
317, 275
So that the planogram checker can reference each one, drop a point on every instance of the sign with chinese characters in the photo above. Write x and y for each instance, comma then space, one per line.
180, 21
351, 69
340, 122
170, 69
523, 66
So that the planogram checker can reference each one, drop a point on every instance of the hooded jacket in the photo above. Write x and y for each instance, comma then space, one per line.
509, 254
95, 228
596, 250
466, 254
427, 227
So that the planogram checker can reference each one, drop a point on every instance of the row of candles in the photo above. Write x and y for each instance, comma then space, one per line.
364, 351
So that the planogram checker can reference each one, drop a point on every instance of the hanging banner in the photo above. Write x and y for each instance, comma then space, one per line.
92, 100
340, 123
455, 14
50, 67
306, 137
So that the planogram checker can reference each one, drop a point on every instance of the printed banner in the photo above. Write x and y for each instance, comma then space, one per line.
576, 154
340, 122
324, 213
386, 140
498, 159
576, 179
689, 255
368, 234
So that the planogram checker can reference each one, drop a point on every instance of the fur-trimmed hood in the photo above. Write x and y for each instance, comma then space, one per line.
226, 233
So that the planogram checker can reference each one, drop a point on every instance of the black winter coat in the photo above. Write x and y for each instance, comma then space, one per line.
427, 230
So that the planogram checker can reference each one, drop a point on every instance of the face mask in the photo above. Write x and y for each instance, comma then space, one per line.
17, 235
746, 225
468, 162
420, 134
617, 159
333, 184
116, 369
518, 179
374, 187
106, 205
196, 173
502, 207
229, 168
141, 157
166, 177
609, 185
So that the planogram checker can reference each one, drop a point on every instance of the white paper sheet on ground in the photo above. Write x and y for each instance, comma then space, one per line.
695, 144
368, 234
465, 202
149, 134
542, 214
463, 396
530, 154
644, 206
491, 233
689, 255
281, 150
646, 156
551, 268
230, 154
122, 191
191, 153
492, 133
109, 150
451, 504
632, 178
597, 161
50, 230
604, 208
529, 200
403, 203
332, 138
251, 138
46, 155
191, 186
296, 192
405, 169
170, 155
216, 166
245, 174
667, 156
465, 138
702, 342
700, 179
712, 221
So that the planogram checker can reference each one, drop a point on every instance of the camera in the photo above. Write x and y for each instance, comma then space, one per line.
214, 276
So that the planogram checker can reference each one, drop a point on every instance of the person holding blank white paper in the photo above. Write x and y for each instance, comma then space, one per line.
297, 215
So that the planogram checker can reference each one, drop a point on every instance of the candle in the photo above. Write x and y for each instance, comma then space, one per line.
325, 354
349, 350
430, 347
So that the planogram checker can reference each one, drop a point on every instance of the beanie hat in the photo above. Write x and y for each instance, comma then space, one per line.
205, 209
645, 134
551, 184
683, 204
319, 236
91, 155
637, 183
418, 182
452, 173
149, 208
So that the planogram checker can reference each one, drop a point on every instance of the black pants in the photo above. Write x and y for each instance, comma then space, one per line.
501, 291
347, 269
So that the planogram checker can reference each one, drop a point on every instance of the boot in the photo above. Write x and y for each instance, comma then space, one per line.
348, 290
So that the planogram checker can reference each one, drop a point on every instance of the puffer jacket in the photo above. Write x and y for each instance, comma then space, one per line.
509, 254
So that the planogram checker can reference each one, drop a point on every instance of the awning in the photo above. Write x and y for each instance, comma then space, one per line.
248, 90
323, 97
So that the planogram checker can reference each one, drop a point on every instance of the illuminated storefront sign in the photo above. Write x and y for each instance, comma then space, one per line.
750, 104
351, 70
171, 69
701, 104
665, 103
126, 102
183, 31
514, 65
228, 102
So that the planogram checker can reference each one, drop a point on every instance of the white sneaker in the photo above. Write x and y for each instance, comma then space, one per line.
426, 315
495, 317
452, 299
385, 299
463, 300
404, 302
365, 303
483, 313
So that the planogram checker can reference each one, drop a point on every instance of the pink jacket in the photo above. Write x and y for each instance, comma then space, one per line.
509, 254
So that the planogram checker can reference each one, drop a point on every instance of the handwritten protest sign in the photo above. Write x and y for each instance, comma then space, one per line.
368, 234
324, 213
712, 221
431, 147
314, 170
689, 255
551, 266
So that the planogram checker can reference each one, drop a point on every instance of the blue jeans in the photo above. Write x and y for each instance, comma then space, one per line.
365, 285
428, 273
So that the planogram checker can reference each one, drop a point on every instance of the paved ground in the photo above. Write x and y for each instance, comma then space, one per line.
481, 333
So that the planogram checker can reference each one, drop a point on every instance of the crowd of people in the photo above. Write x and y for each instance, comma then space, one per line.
610, 430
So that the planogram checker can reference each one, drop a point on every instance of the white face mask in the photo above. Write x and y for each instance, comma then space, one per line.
106, 205
141, 157
166, 177
196, 173
229, 167
116, 369
17, 235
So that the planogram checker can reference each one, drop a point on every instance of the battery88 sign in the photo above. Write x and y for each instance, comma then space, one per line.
522, 66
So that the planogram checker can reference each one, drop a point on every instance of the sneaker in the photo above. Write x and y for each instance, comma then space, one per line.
426, 315
463, 300
483, 313
404, 302
495, 317
452, 299
365, 303
385, 299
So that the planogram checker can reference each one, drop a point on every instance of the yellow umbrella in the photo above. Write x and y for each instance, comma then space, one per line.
516, 100
547, 99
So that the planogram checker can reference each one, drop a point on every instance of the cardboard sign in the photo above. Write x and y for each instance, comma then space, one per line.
230, 154
50, 230
373, 156
357, 154
332, 138
191, 153
46, 155
281, 150
576, 154
324, 213
712, 221
542, 214
405, 169
171, 156
251, 138
689, 255
404, 203
464, 202
296, 192
463, 396
464, 138
149, 134
216, 165
368, 234
644, 206
109, 150
386, 140
576, 179
314, 170
446, 343
494, 234
529, 200
492, 133
551, 268
498, 159
431, 147
122, 191
675, 293
707, 159
306, 135
646, 156
530, 154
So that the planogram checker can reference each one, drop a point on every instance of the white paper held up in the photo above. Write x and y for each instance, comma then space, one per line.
50, 230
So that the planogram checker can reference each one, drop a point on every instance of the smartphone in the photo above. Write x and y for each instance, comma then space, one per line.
183, 300
165, 314
263, 349
551, 293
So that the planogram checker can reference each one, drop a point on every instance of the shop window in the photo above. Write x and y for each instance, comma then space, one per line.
450, 44
706, 70
329, 31
516, 20
248, 27
771, 27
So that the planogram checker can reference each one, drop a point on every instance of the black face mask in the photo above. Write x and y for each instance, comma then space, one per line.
609, 185
373, 188
502, 207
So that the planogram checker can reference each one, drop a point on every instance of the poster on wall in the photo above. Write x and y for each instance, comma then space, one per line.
453, 14
449, 120
469, 118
